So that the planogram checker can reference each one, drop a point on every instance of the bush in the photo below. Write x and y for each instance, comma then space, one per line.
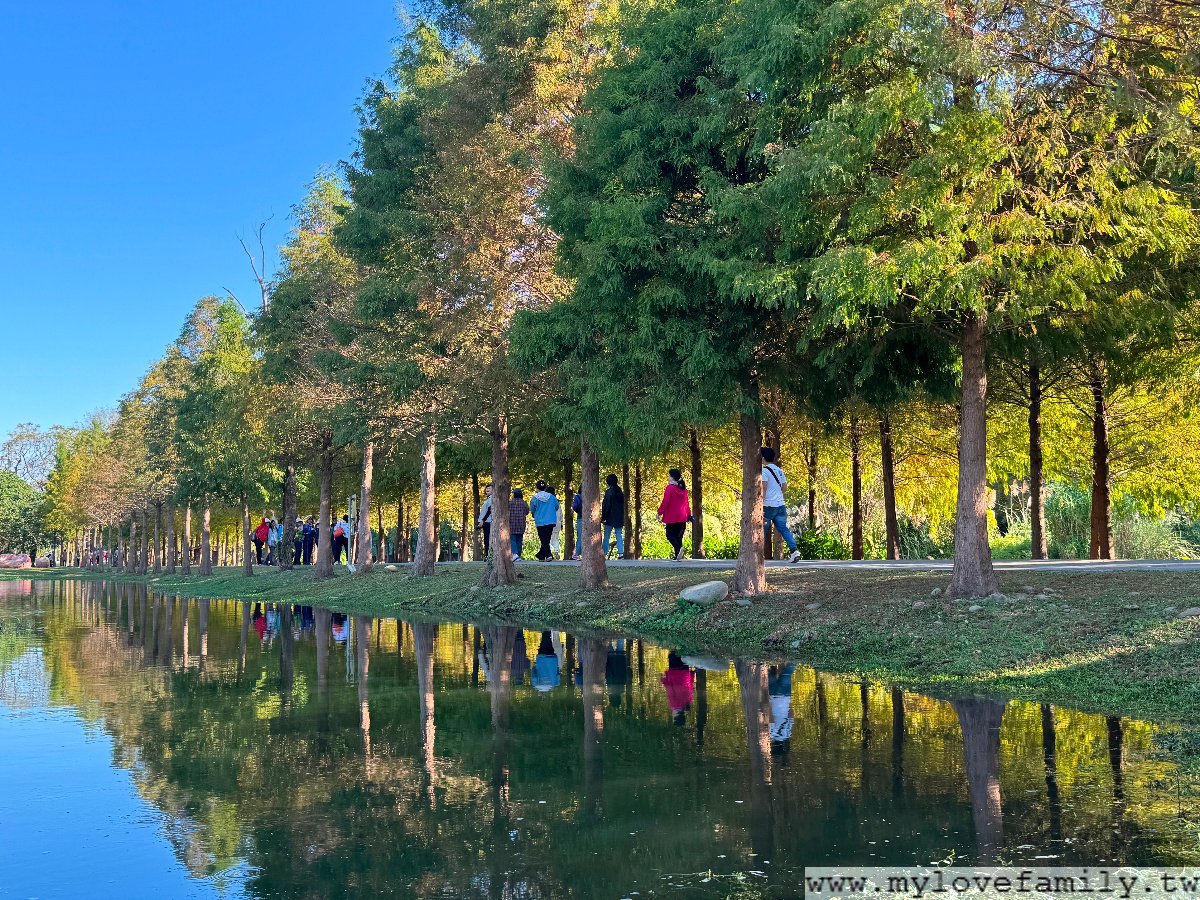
1068, 520
821, 545
1139, 537
917, 541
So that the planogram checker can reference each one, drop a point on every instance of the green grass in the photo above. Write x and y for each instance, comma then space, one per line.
1105, 642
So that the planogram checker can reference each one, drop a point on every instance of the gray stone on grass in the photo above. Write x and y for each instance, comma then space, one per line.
811, 606
1192, 612
706, 593
920, 604
743, 601
936, 592
975, 607
996, 597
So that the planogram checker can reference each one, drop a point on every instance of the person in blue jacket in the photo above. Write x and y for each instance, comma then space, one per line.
544, 507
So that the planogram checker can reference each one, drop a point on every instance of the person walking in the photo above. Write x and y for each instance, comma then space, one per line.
341, 539
612, 514
272, 540
485, 521
774, 505
675, 511
298, 542
310, 539
260, 536
518, 517
544, 507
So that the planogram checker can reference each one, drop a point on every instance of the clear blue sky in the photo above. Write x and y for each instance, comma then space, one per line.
138, 140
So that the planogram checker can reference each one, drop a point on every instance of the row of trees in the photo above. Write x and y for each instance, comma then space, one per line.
599, 230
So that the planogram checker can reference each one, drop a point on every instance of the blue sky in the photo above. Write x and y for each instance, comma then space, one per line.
138, 140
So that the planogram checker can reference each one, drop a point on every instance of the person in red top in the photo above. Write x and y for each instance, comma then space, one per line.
680, 682
260, 537
675, 511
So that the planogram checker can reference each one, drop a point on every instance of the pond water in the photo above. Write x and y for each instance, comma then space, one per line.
162, 747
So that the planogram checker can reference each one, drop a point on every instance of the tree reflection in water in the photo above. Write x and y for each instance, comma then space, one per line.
327, 786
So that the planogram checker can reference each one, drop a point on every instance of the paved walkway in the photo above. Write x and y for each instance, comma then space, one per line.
915, 565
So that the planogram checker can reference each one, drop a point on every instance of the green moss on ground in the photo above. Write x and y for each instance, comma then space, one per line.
1104, 641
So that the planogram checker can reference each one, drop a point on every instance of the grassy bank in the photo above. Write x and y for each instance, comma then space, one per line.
1105, 642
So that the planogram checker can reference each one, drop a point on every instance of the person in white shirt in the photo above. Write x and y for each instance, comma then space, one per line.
485, 521
774, 505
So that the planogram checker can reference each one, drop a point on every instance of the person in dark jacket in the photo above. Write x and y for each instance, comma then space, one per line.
612, 515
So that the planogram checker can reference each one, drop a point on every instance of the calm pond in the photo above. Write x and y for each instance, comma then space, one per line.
162, 747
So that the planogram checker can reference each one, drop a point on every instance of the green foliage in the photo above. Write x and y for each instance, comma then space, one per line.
20, 515
816, 544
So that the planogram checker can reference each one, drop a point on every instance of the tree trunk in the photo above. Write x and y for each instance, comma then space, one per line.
362, 553
973, 572
891, 520
401, 538
144, 553
247, 558
500, 568
380, 546
637, 510
463, 532
980, 722
697, 498
186, 557
1038, 543
324, 567
131, 556
568, 510
427, 535
593, 570
171, 552
750, 575
476, 534
857, 549
628, 512
287, 551
1102, 532
157, 567
206, 540
812, 461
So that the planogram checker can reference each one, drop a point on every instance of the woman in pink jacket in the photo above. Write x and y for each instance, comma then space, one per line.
675, 510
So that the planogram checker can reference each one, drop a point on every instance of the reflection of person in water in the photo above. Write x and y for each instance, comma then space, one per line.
779, 687
616, 671
680, 682
338, 627
546, 674
520, 658
259, 622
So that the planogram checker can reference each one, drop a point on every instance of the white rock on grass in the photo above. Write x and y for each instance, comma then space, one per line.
996, 597
812, 606
974, 608
706, 593
936, 592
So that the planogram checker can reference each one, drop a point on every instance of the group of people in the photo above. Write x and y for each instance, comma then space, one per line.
675, 512
269, 536
547, 513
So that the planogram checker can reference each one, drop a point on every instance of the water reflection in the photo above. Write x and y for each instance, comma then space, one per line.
491, 761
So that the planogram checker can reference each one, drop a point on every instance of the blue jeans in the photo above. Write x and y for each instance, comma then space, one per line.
515, 541
578, 538
777, 516
608, 530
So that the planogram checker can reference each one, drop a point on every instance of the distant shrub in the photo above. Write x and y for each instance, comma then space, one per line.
917, 541
819, 544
